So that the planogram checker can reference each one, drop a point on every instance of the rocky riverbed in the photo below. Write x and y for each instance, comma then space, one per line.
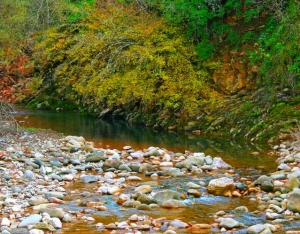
37, 170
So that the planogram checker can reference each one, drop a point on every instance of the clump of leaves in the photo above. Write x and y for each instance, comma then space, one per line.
121, 55
279, 51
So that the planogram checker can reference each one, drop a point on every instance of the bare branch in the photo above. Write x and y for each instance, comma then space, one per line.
7, 122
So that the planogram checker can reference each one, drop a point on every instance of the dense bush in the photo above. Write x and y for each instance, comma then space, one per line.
122, 56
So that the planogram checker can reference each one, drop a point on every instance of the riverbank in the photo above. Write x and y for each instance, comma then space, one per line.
41, 171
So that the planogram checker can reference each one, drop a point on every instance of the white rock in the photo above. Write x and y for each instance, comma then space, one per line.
90, 219
55, 222
5, 222
38, 155
10, 149
16, 208
122, 225
167, 157
110, 175
43, 170
113, 190
68, 177
136, 178
100, 225
166, 164
199, 154
36, 231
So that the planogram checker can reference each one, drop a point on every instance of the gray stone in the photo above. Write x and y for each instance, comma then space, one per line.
145, 167
29, 175
152, 152
55, 222
135, 167
284, 167
89, 178
293, 203
267, 186
144, 199
43, 226
32, 219
175, 172
292, 183
241, 209
143, 207
59, 195
278, 176
131, 203
194, 192
111, 163
229, 223
262, 179
55, 163
165, 195
53, 212
172, 203
75, 161
125, 167
192, 185
258, 228
143, 189
37, 200
56, 177
176, 223
219, 163
95, 157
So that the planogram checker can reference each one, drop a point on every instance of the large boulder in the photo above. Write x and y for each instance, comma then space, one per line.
223, 186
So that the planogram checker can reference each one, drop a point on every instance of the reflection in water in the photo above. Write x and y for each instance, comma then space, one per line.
118, 133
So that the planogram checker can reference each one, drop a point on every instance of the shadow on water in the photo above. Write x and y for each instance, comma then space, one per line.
118, 133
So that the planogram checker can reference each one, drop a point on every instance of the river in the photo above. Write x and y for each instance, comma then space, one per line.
118, 133
246, 157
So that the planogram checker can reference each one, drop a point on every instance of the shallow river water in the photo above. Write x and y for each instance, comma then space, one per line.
247, 158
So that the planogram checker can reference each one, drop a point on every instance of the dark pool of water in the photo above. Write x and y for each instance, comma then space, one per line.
118, 133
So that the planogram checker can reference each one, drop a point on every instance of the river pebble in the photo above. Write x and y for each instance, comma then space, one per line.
39, 178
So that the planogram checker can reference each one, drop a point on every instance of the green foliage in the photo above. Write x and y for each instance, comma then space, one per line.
280, 51
21, 20
205, 49
249, 36
233, 7
116, 57
233, 38
250, 14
